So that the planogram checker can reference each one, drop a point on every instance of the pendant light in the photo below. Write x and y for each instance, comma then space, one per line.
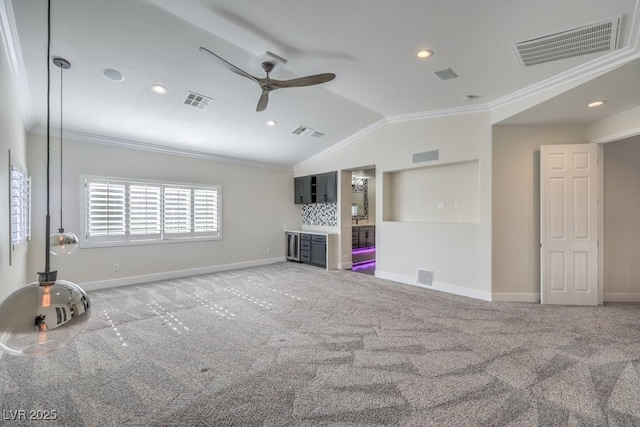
45, 315
62, 242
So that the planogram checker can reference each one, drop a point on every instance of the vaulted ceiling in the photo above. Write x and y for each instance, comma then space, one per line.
370, 45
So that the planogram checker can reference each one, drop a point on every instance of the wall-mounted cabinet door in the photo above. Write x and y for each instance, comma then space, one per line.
326, 188
302, 190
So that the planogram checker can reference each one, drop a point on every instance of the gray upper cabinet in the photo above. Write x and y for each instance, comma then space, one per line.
302, 190
326, 189
320, 188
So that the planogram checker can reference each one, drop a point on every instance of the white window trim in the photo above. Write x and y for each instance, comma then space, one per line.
129, 239
19, 247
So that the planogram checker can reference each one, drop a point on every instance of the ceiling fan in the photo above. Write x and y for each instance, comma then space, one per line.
268, 84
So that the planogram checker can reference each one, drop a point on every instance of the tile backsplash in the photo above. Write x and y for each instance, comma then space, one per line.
325, 214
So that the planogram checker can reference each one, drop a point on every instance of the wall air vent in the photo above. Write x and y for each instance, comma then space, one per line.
426, 156
600, 37
317, 134
446, 74
425, 277
197, 100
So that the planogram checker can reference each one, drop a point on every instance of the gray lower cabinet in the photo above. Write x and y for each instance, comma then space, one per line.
366, 236
305, 248
313, 249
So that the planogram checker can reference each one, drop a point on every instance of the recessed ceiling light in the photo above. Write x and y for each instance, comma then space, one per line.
113, 75
271, 123
595, 104
159, 89
424, 53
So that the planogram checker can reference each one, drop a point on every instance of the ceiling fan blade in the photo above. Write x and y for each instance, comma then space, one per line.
264, 100
227, 65
303, 81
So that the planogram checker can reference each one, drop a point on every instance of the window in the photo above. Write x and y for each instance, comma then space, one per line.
20, 209
122, 212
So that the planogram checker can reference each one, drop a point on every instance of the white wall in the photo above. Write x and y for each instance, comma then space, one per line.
622, 220
257, 206
516, 205
12, 137
459, 254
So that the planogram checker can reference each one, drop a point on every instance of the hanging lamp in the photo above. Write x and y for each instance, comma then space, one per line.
62, 242
45, 315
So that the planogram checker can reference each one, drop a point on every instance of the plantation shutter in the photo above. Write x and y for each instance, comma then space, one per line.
122, 212
205, 207
20, 210
177, 211
106, 211
145, 220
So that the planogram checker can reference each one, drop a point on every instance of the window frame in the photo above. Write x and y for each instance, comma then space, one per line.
20, 200
128, 238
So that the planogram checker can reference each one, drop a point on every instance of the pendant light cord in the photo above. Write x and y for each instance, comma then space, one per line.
47, 266
61, 78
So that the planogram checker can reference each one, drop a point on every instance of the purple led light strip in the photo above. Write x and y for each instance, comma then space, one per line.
363, 265
369, 250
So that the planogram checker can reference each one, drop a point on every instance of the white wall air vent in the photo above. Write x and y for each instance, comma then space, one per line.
197, 100
446, 74
600, 37
425, 277
426, 156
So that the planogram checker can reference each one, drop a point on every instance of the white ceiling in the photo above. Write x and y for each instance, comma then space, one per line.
369, 44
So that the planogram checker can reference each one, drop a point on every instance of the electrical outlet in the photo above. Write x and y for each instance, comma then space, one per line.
116, 267
269, 251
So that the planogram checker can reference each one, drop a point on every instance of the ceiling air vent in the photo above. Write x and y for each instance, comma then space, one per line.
197, 100
600, 37
302, 130
446, 74
317, 134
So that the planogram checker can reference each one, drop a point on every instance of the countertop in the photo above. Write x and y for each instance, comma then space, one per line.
321, 233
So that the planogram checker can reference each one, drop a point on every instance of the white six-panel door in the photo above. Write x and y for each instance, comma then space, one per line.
569, 224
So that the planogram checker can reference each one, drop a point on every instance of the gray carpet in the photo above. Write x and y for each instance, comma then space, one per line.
294, 345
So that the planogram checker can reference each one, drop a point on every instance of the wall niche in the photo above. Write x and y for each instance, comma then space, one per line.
444, 193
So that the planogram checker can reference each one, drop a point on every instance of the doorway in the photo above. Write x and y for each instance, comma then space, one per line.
363, 225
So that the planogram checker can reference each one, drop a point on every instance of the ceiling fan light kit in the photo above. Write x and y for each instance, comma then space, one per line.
267, 84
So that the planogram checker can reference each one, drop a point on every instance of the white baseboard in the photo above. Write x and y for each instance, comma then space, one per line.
620, 297
515, 297
437, 286
134, 280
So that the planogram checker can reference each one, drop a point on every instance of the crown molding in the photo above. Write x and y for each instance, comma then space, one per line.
156, 148
335, 147
447, 112
572, 78
9, 35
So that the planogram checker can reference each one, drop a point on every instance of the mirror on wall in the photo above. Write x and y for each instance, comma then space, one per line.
359, 198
